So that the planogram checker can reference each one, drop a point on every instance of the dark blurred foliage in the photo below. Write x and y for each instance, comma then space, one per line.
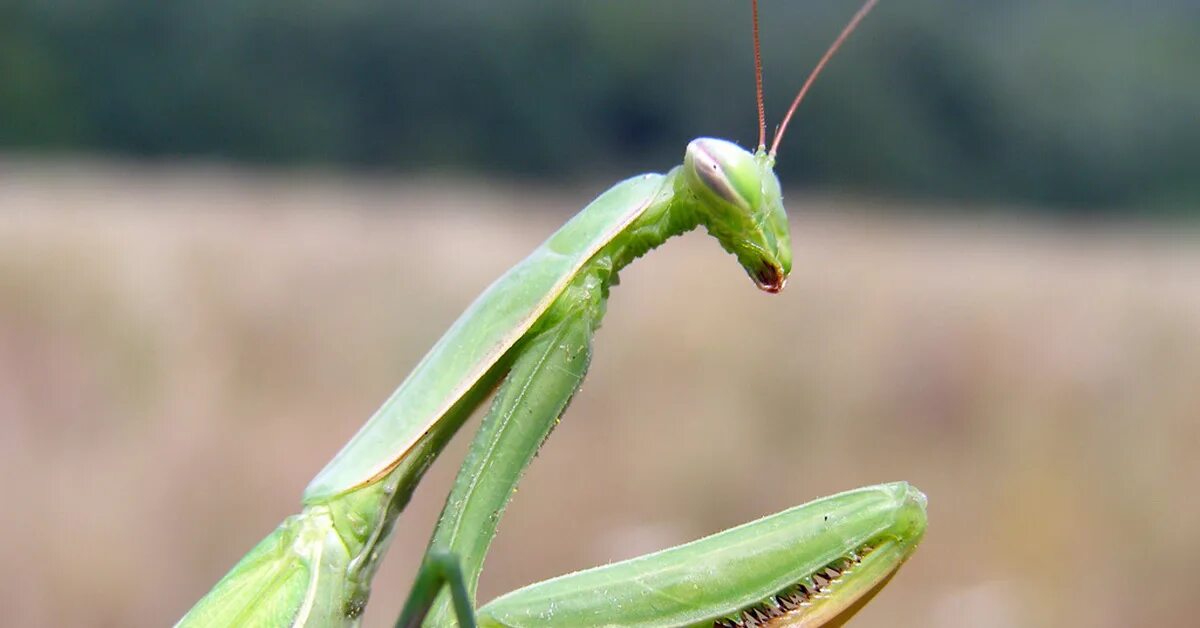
1081, 105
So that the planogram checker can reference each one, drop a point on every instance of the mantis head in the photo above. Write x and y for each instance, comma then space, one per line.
740, 200
742, 206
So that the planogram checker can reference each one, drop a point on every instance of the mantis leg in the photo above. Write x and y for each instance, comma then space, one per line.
544, 377
437, 570
811, 565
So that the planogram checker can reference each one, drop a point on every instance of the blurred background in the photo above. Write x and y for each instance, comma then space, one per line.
217, 220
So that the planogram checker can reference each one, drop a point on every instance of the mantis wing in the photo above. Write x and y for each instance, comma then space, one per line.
480, 337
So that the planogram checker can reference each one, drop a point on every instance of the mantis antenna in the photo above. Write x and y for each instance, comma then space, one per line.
812, 77
758, 83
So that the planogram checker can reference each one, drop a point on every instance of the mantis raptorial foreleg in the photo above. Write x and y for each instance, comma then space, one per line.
812, 565
438, 570
528, 404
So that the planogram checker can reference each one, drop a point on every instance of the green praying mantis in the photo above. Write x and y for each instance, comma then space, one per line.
529, 338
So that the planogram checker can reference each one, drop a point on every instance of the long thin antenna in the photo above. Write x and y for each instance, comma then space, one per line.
758, 81
858, 17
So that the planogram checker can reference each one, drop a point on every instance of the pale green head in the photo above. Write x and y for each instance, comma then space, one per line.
740, 203
738, 192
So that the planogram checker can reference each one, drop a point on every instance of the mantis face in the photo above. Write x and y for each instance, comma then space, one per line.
741, 204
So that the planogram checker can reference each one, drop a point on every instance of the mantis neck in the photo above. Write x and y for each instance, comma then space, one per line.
674, 210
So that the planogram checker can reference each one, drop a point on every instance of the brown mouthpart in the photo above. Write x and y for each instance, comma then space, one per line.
770, 278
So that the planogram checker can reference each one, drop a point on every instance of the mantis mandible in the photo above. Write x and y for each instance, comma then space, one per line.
529, 335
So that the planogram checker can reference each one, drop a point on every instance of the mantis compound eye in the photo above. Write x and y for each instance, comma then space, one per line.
724, 170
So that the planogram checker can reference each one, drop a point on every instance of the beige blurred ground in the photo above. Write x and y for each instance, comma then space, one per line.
182, 348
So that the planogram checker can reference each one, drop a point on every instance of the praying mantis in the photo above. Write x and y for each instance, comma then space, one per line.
529, 338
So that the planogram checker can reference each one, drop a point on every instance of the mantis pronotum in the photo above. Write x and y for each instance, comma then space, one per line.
530, 334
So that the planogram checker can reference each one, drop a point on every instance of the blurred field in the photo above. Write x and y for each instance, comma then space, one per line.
181, 349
